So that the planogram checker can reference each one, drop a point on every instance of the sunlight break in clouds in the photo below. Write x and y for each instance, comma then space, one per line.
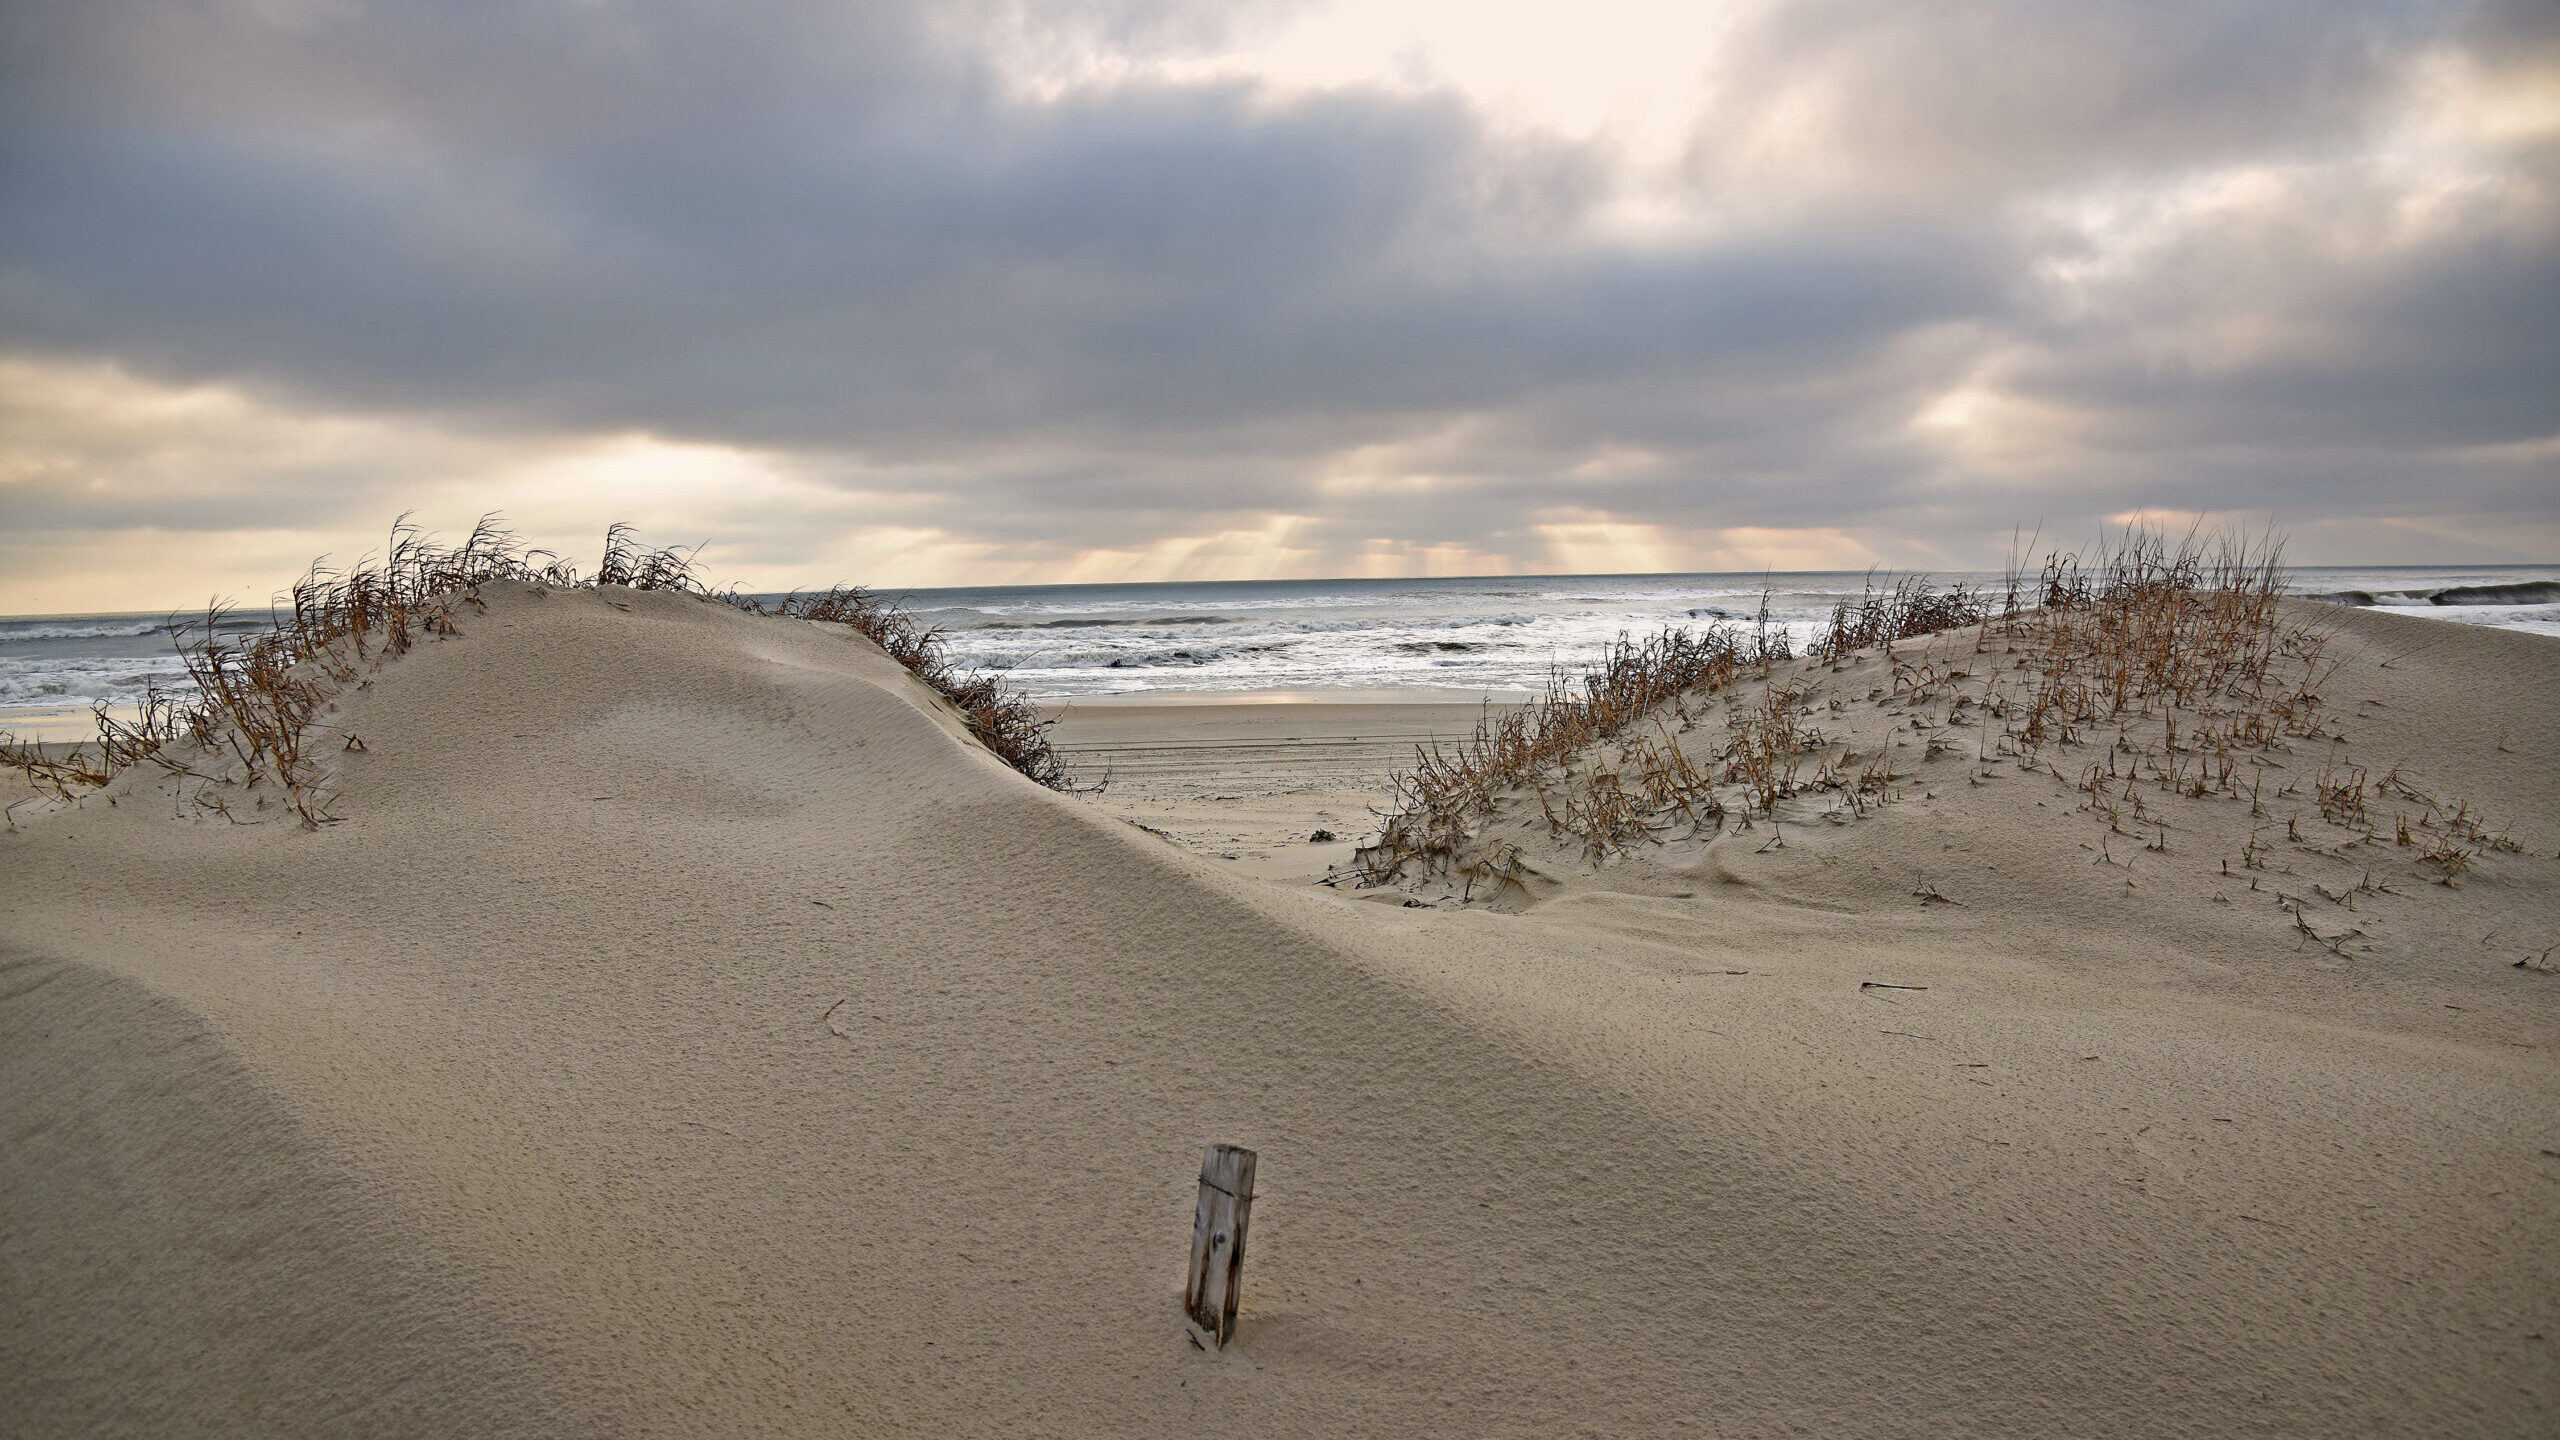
207, 490
1629, 76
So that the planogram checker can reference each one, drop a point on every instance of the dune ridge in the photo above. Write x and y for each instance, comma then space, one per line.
692, 1029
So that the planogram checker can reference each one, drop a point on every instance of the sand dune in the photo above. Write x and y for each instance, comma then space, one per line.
688, 1030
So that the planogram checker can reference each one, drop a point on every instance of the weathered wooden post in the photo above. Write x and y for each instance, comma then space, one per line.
1217, 1243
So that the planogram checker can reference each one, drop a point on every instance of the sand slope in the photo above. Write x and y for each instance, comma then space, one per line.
688, 1032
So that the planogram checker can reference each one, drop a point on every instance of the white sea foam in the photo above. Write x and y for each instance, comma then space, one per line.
76, 680
104, 628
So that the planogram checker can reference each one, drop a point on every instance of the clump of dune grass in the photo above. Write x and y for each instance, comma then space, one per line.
250, 719
2150, 627
2184, 636
1913, 607
635, 566
1769, 744
1003, 719
1440, 803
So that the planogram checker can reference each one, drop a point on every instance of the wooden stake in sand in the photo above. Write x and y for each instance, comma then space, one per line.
1217, 1243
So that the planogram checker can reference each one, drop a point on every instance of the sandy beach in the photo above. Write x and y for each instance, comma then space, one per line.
1249, 784
685, 1028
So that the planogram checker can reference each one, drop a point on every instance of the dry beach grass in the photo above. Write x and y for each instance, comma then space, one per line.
2146, 632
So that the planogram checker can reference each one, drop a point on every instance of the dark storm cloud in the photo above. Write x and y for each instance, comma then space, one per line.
832, 230
2447, 342
1166, 258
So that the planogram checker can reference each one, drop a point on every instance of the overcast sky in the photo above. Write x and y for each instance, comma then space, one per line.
953, 293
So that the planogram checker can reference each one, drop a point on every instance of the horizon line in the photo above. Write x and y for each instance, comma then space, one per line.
901, 590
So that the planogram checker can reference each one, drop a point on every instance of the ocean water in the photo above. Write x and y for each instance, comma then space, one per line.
1302, 639
1502, 637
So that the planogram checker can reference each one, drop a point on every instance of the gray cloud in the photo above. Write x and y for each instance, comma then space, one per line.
831, 231
1932, 103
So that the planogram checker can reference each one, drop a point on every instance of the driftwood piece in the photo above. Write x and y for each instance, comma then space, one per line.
1217, 1243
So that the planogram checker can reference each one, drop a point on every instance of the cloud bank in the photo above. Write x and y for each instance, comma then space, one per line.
935, 294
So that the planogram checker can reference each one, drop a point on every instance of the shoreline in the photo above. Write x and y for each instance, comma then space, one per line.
1289, 696
1247, 784
1337, 642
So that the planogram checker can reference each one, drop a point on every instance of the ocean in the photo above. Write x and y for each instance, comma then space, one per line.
1446, 639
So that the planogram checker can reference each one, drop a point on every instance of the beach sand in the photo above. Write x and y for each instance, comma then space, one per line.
1249, 784
688, 1030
